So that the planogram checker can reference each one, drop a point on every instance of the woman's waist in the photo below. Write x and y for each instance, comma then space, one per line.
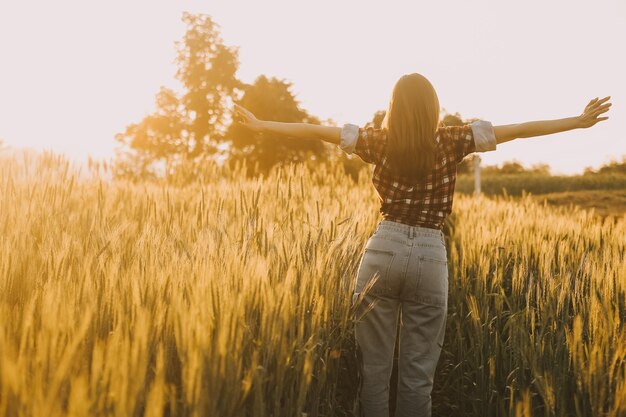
409, 230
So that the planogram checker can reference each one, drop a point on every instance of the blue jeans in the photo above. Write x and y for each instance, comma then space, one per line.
404, 269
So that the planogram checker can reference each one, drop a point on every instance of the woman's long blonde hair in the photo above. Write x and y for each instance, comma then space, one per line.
411, 122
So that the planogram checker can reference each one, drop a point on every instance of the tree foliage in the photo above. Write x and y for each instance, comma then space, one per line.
377, 120
207, 68
272, 99
191, 126
613, 167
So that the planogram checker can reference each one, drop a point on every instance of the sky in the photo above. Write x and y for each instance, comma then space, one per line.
74, 73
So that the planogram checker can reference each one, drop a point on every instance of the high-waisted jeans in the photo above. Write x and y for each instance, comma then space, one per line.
404, 269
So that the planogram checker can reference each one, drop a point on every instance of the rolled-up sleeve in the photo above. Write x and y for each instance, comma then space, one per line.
349, 136
484, 137
365, 142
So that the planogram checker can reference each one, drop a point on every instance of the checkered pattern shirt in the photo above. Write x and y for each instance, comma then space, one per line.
428, 202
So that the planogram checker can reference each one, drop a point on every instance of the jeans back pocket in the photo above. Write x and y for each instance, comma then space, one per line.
373, 273
432, 284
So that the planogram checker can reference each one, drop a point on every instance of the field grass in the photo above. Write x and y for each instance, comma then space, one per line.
602, 194
230, 297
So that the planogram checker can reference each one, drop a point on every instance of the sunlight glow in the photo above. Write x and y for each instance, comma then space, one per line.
76, 73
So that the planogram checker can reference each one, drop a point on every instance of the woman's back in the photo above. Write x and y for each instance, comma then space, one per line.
428, 201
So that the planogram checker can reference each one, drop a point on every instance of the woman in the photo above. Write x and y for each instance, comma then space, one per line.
404, 266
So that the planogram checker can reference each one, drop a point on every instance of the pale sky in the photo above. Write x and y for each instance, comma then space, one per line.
74, 73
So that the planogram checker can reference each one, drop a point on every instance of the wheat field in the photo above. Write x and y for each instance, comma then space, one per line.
230, 296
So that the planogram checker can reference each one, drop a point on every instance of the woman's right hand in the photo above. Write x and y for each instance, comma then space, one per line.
245, 118
589, 116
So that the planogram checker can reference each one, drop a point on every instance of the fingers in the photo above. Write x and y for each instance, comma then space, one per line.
601, 109
239, 109
243, 117
599, 119
596, 106
242, 110
591, 102
595, 102
240, 115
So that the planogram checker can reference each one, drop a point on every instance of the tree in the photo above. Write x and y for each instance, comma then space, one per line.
191, 126
207, 70
377, 120
159, 136
466, 166
272, 99
452, 119
613, 167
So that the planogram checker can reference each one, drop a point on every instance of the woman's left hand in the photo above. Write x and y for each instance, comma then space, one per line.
245, 118
595, 108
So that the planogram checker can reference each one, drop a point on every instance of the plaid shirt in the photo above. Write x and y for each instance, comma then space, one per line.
428, 202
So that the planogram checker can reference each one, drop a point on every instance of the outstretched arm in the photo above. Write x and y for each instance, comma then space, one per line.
588, 118
298, 130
